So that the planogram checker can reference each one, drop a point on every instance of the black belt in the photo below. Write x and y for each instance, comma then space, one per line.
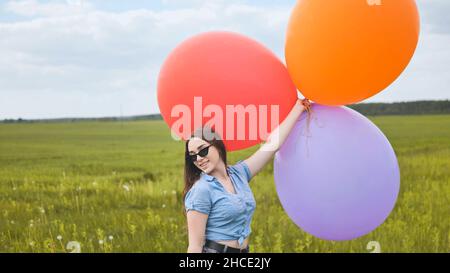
224, 248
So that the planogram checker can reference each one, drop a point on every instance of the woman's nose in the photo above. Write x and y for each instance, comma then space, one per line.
200, 159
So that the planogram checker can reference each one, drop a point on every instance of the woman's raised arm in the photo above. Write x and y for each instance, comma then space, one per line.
264, 154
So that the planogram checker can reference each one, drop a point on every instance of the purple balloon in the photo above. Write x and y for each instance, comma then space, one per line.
337, 175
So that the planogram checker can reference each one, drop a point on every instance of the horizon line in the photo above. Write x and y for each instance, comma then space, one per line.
119, 117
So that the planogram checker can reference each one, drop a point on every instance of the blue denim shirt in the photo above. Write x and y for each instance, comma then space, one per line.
229, 215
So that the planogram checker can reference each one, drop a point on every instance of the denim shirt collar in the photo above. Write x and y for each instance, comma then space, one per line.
208, 177
211, 178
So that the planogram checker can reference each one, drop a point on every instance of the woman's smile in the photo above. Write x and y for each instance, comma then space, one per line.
203, 165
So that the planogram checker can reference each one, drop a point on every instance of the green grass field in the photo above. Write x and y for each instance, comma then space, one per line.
116, 187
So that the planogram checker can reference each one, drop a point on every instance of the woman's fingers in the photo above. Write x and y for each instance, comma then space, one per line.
306, 104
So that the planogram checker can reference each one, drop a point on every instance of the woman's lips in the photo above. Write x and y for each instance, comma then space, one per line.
203, 165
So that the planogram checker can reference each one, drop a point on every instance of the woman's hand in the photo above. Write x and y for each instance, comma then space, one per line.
306, 103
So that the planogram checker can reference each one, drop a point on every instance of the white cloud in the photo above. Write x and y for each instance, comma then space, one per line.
72, 51
35, 8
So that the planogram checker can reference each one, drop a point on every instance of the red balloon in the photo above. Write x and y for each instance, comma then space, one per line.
229, 82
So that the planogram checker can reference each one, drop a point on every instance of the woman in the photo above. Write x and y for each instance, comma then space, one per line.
218, 200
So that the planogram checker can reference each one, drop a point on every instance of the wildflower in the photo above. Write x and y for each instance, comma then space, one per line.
374, 247
164, 206
110, 237
126, 187
74, 246
59, 237
100, 242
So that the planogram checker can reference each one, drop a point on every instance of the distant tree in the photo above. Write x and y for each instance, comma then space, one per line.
368, 109
403, 108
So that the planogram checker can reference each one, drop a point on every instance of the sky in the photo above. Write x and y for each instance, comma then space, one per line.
95, 58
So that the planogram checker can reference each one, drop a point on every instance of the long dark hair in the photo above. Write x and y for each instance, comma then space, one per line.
191, 172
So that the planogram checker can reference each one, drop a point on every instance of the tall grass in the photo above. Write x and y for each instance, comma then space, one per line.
116, 187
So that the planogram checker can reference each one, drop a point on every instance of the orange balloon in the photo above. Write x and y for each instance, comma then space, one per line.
344, 51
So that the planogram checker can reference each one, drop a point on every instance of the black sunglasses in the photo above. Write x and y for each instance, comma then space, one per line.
203, 152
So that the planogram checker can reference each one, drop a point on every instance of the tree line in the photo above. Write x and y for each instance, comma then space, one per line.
441, 107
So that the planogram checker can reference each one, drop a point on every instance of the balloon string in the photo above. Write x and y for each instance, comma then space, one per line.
308, 123
312, 117
307, 131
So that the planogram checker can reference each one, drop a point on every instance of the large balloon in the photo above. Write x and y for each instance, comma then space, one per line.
343, 51
220, 70
337, 176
